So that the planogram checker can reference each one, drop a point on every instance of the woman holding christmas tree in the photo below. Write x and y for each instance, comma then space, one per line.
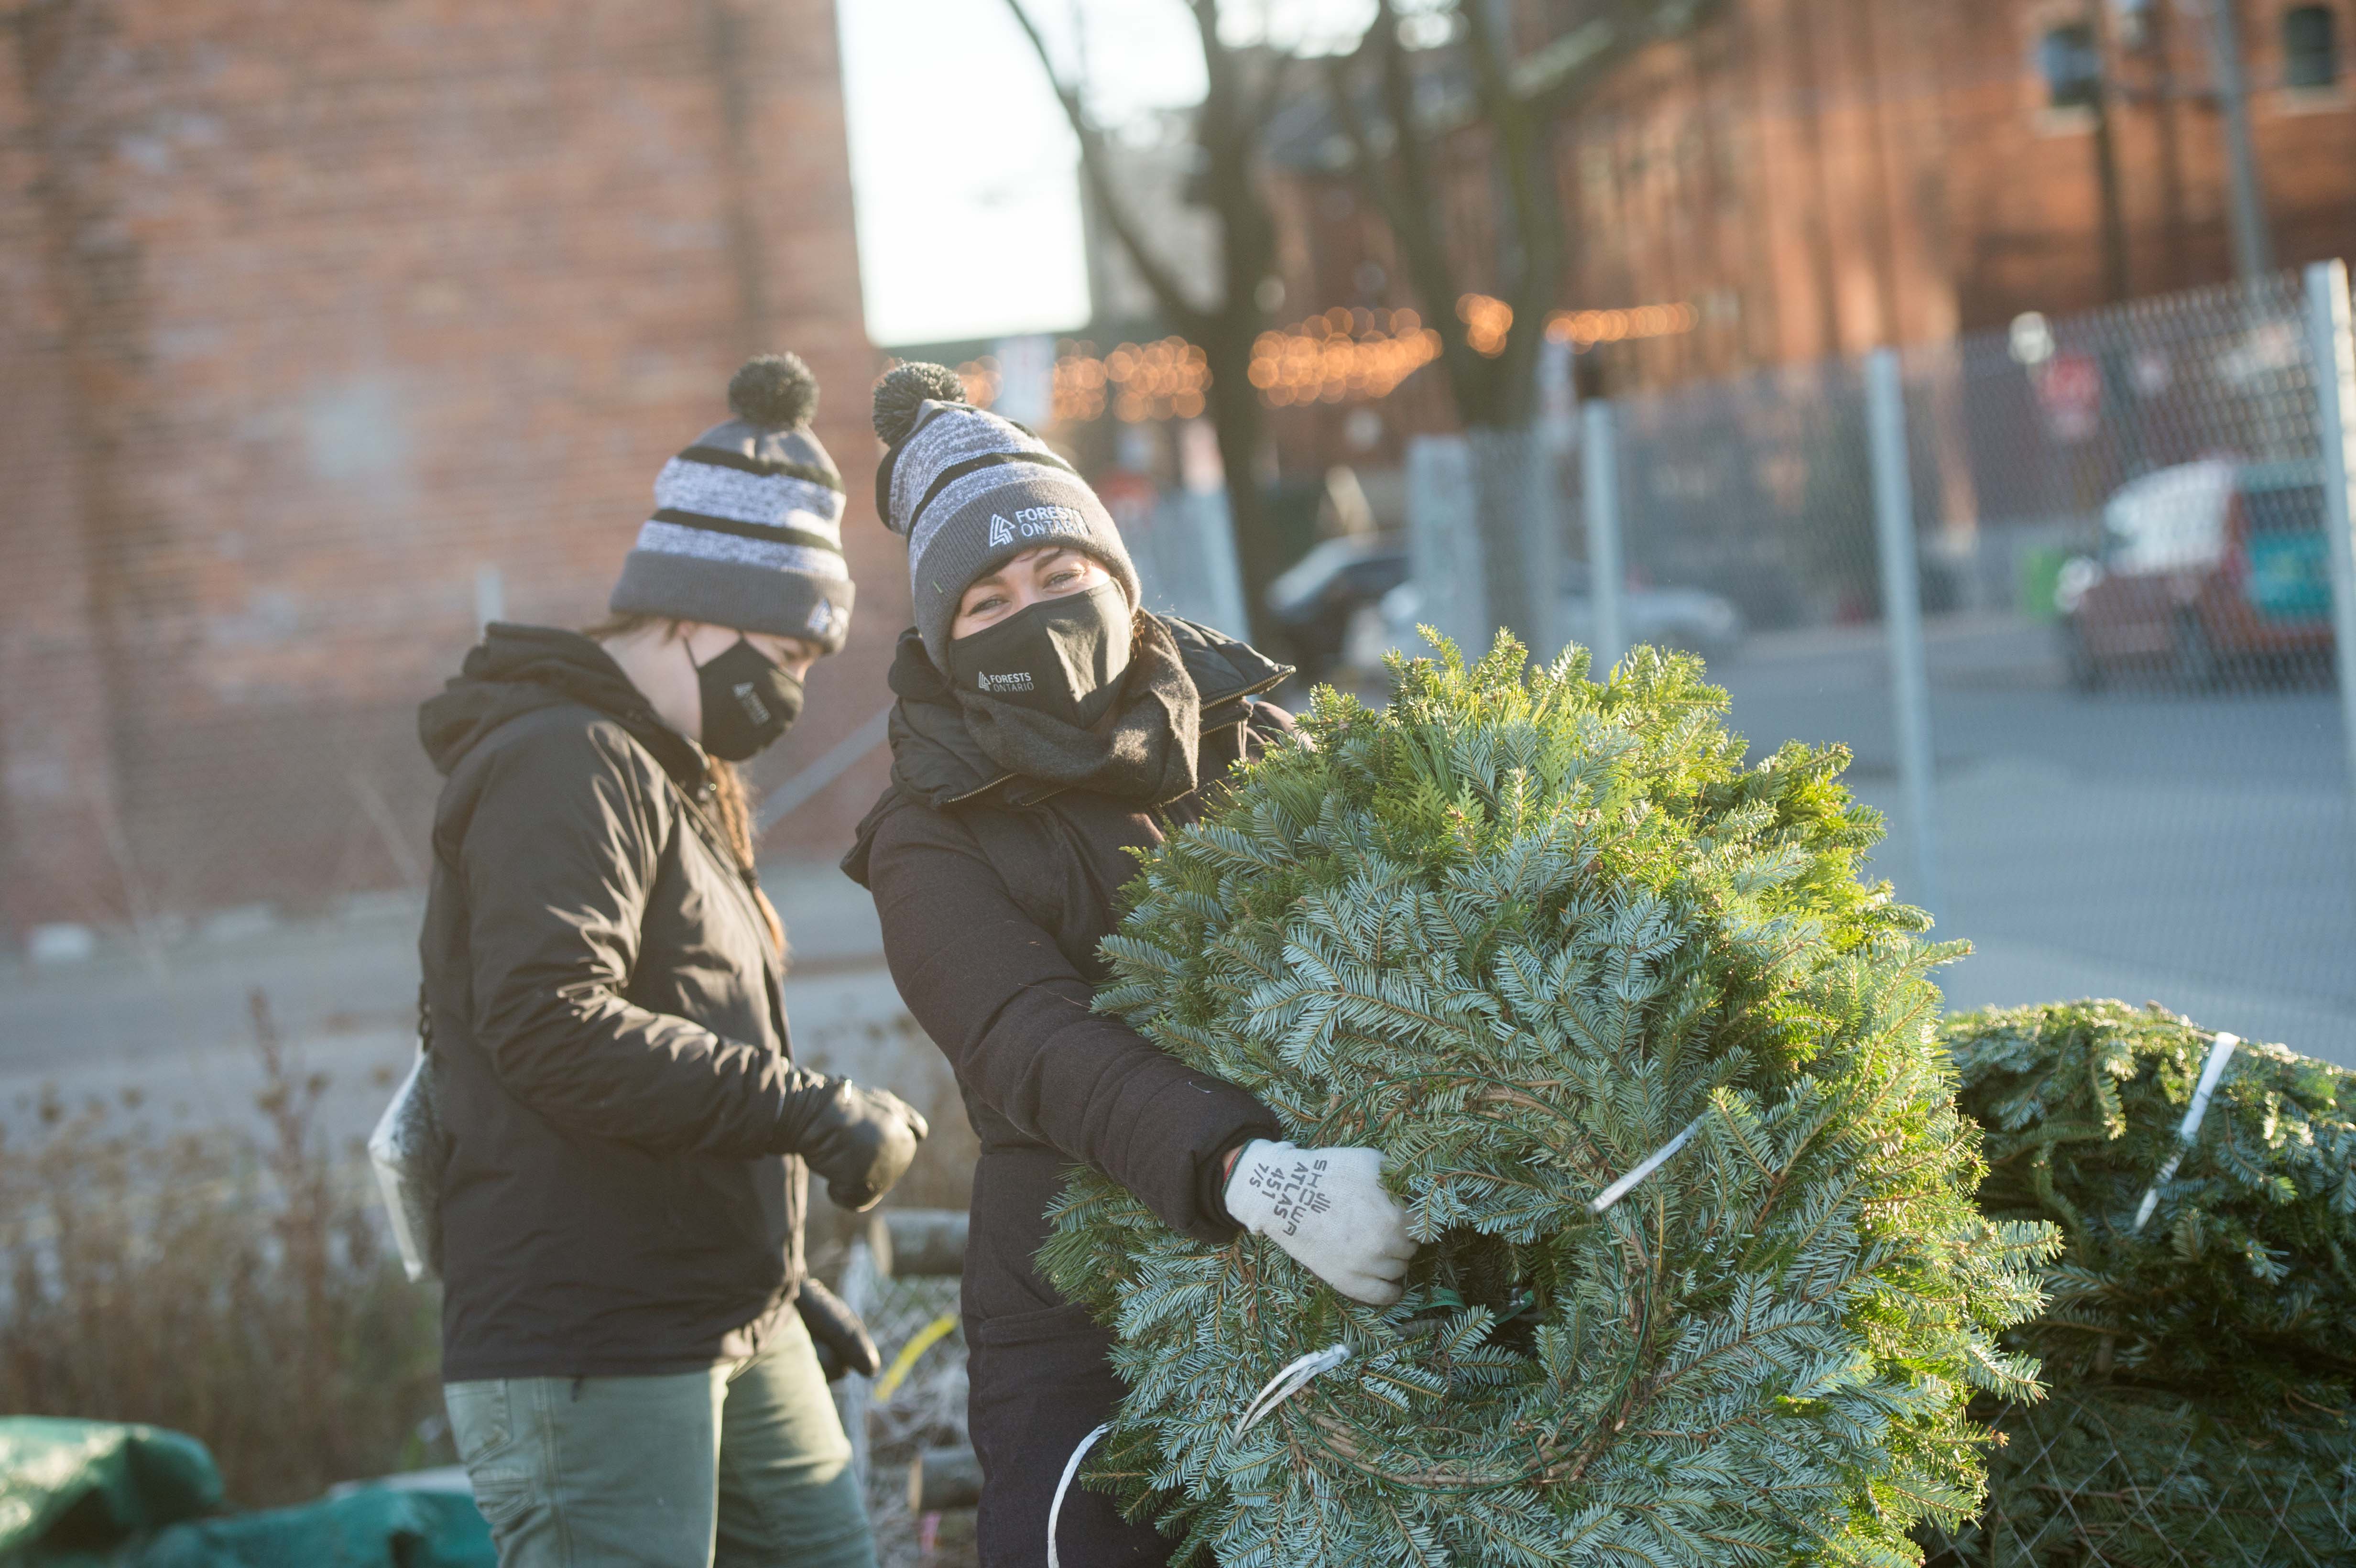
1046, 727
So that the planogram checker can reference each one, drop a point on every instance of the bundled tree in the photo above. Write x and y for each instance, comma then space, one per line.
2200, 1329
1701, 1279
2241, 1276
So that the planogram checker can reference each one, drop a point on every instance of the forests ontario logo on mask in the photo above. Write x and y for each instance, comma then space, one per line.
1037, 523
750, 700
1017, 680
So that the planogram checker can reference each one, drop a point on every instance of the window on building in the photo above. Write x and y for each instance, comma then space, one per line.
2311, 36
2073, 67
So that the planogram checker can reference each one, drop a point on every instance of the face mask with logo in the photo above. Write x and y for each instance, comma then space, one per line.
1061, 657
748, 701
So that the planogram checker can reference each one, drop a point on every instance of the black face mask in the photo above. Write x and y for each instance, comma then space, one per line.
1063, 658
748, 702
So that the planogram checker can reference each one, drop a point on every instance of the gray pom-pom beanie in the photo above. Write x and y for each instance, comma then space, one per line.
970, 491
747, 529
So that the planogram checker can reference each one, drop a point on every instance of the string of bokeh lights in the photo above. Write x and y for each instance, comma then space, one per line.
1361, 354
1341, 355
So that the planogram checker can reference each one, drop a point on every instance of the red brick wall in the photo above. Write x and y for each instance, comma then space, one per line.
1853, 172
316, 311
1825, 176
57, 801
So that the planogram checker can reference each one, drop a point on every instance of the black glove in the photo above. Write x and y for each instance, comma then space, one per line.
861, 1140
842, 1341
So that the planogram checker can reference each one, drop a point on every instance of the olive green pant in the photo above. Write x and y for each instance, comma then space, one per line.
742, 1466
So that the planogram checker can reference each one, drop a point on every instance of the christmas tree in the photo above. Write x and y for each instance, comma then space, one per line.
2201, 1327
1525, 934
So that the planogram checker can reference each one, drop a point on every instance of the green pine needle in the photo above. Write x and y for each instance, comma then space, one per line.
1517, 929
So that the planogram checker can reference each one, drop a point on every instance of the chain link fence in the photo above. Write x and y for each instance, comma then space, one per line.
2078, 597
2069, 603
2071, 1481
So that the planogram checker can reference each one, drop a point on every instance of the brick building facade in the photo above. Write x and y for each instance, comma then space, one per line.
329, 328
1819, 176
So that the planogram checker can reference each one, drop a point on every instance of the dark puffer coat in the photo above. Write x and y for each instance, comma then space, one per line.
994, 891
609, 1039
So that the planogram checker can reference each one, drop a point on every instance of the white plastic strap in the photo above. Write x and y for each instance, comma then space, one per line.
1071, 1469
2212, 1072
1298, 1374
1652, 1162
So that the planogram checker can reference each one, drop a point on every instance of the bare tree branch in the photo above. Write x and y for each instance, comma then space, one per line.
1271, 90
1228, 136
1410, 203
1523, 149
1367, 163
1557, 77
1184, 314
1518, 100
1226, 129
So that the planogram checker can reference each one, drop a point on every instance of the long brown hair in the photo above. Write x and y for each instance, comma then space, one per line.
731, 807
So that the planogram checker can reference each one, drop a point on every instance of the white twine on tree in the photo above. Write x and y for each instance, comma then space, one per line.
1055, 1509
2212, 1072
1298, 1374
1652, 1162
1302, 1370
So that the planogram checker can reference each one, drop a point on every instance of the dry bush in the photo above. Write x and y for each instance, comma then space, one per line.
927, 1410
232, 1285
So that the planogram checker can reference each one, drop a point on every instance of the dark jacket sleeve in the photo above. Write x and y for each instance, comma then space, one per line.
558, 857
996, 994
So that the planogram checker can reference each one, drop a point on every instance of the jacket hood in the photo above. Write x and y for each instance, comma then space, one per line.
934, 760
516, 670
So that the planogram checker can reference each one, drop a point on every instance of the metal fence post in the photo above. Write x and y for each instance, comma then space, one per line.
1542, 546
1901, 610
1444, 545
1599, 470
2332, 351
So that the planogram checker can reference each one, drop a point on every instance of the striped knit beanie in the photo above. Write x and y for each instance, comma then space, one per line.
970, 491
747, 530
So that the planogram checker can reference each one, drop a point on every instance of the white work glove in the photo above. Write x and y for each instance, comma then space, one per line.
1326, 1206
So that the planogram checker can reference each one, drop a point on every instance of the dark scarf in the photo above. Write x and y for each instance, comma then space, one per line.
1143, 751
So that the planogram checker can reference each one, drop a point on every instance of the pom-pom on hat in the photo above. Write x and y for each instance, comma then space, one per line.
969, 491
747, 529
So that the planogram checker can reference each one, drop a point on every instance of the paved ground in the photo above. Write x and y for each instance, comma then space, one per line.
2143, 844
175, 1029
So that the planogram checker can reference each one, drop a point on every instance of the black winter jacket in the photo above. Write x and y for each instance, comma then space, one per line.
609, 1042
994, 891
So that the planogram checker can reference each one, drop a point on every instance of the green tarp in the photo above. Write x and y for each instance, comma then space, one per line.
90, 1494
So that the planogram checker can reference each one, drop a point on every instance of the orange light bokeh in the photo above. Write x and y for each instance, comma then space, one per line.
1487, 321
1341, 354
1585, 328
1334, 355
1158, 380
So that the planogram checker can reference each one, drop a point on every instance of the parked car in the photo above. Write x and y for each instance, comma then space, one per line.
2204, 568
1314, 599
1691, 619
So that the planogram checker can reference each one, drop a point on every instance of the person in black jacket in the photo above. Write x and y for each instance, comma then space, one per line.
1045, 729
628, 1373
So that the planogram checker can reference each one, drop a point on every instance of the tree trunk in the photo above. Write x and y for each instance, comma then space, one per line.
1235, 413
